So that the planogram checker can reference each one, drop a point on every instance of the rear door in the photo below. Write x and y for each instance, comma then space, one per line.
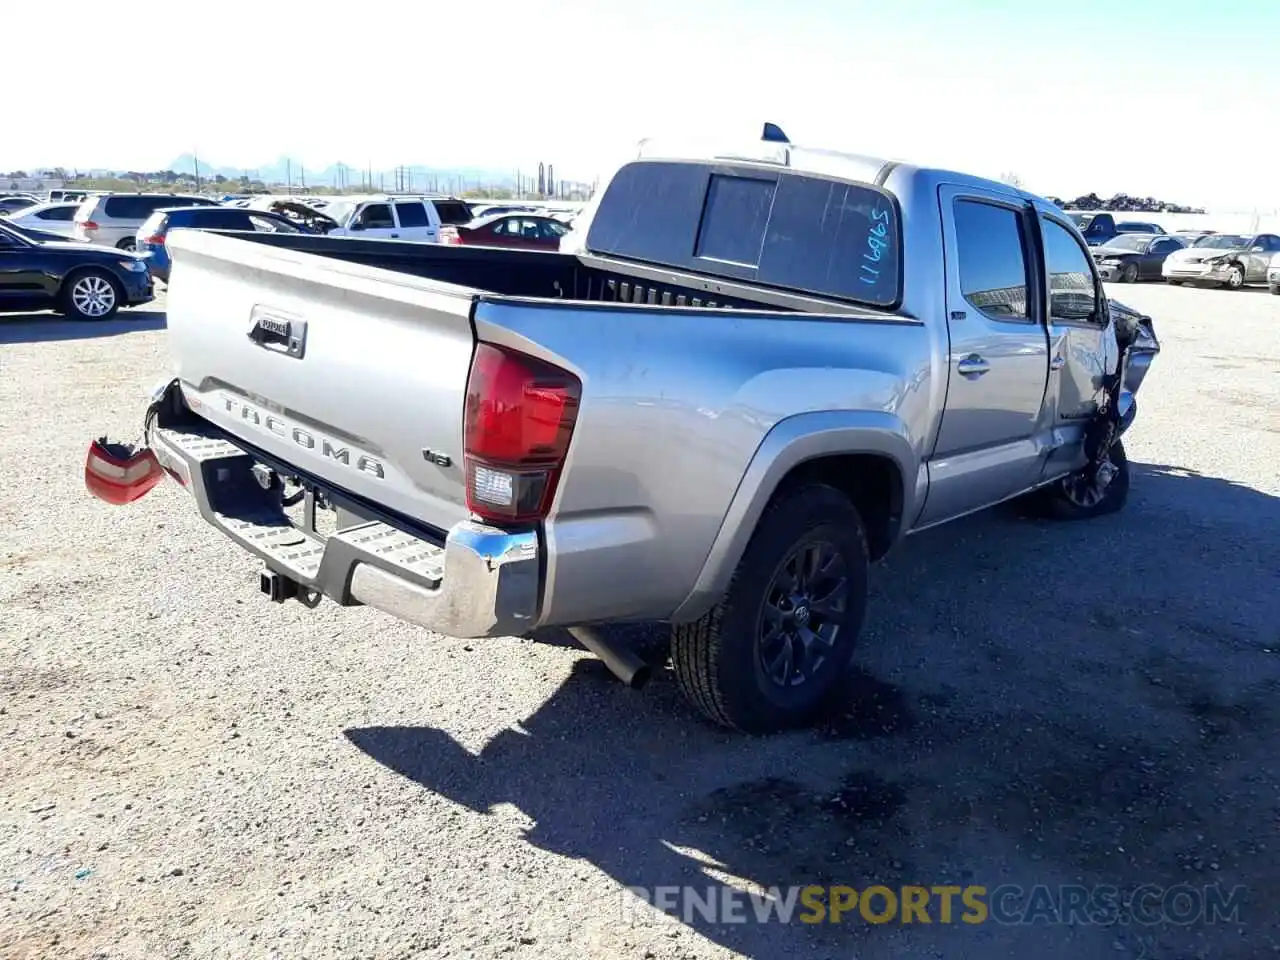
414, 222
1081, 344
987, 447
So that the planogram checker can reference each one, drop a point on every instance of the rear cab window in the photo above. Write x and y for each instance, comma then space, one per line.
794, 231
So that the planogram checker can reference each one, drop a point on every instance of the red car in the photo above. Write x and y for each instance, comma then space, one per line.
525, 231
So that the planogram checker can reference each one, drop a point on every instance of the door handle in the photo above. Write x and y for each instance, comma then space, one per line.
972, 366
1057, 363
395, 236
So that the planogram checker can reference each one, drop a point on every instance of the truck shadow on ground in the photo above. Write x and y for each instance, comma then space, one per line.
50, 327
1035, 703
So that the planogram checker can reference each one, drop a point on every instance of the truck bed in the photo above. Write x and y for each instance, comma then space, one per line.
548, 275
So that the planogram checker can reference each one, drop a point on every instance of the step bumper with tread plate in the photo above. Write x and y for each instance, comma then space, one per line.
480, 582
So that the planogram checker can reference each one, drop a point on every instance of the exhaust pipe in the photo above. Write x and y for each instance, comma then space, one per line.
623, 662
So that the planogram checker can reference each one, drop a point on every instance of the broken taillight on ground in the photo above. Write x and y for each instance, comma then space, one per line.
118, 473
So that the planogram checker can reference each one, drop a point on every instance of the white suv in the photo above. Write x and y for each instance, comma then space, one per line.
396, 218
114, 219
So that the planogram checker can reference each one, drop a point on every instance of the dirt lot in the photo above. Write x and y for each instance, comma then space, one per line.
188, 771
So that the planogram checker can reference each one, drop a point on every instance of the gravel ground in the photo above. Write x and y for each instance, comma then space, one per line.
189, 771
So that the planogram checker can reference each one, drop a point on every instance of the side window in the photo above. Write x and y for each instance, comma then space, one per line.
452, 212
412, 214
56, 213
505, 228
552, 230
376, 216
1273, 243
1072, 295
992, 259
1164, 246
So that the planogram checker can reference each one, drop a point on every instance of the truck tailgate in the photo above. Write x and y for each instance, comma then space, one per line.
353, 374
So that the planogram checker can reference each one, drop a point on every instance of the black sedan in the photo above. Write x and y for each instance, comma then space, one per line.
1131, 257
82, 280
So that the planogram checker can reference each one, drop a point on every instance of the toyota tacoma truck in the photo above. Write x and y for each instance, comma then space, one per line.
742, 380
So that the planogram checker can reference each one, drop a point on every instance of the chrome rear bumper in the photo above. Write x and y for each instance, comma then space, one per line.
480, 581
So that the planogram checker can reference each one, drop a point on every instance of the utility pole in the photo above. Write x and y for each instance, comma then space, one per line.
288, 176
195, 160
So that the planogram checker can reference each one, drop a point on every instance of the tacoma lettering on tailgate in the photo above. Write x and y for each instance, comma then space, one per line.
274, 423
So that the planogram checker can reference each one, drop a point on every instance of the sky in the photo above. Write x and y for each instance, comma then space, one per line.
1175, 99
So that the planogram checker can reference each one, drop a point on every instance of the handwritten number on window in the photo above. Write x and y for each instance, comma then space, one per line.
878, 241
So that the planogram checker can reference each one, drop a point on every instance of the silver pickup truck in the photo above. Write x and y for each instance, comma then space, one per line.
742, 380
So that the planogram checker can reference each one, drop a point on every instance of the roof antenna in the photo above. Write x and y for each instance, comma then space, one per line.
773, 134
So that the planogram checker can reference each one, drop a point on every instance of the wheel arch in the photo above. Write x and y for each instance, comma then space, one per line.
867, 455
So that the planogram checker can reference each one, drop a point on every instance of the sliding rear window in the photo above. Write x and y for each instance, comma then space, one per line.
781, 229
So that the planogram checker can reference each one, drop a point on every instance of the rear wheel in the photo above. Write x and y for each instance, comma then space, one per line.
128, 243
1172, 282
774, 653
90, 295
1275, 289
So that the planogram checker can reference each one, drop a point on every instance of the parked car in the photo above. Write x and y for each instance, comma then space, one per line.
154, 231
67, 196
1273, 275
81, 280
1224, 260
10, 205
1131, 257
396, 217
1135, 226
1097, 228
519, 230
1191, 236
309, 218
493, 209
37, 235
48, 217
113, 219
492, 434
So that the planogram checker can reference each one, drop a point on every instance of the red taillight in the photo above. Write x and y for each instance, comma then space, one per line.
155, 240
450, 235
518, 421
118, 475
88, 226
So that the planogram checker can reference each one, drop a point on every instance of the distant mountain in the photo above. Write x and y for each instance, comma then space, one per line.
418, 177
